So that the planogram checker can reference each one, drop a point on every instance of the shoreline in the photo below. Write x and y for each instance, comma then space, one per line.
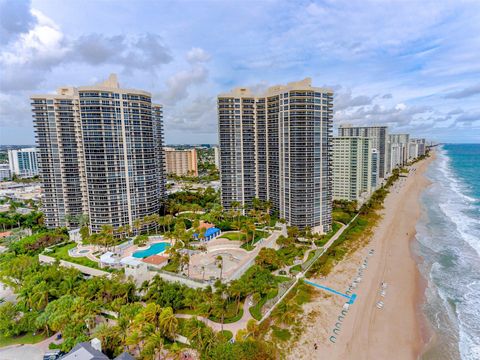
399, 330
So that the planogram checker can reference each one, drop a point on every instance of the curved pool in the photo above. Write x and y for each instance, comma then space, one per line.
153, 249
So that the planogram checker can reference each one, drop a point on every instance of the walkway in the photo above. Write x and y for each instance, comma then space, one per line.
233, 327
351, 299
302, 274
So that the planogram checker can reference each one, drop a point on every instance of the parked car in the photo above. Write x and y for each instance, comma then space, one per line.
52, 354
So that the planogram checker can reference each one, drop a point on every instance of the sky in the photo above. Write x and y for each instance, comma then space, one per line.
413, 65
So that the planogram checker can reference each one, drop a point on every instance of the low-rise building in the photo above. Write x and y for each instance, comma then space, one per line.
181, 162
4, 172
23, 162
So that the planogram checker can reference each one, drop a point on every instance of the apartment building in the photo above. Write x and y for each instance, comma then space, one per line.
421, 145
101, 155
352, 168
375, 170
401, 141
276, 146
181, 162
379, 136
412, 150
23, 162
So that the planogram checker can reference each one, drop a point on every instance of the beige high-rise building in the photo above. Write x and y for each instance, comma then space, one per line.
352, 168
181, 162
379, 136
100, 155
276, 146
397, 150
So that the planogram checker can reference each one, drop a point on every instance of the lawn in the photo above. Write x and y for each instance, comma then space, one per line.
238, 236
235, 236
22, 339
256, 310
324, 239
61, 253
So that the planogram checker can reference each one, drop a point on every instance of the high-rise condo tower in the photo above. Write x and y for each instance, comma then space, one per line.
100, 155
276, 146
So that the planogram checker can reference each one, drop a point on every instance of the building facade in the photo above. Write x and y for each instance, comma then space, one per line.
421, 146
101, 155
398, 143
276, 146
352, 168
181, 162
23, 162
379, 136
5, 172
375, 170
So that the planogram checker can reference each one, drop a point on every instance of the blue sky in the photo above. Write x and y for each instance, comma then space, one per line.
413, 65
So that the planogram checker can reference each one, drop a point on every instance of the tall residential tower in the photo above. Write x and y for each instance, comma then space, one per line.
101, 155
379, 136
276, 146
352, 168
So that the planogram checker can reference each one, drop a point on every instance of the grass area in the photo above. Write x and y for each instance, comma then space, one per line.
172, 266
22, 339
238, 236
281, 334
342, 216
61, 253
231, 315
235, 236
297, 268
324, 239
227, 334
256, 310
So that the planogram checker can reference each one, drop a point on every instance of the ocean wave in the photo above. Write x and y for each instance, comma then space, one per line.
457, 210
449, 238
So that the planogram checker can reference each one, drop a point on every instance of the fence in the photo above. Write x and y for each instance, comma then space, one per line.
174, 277
283, 288
314, 258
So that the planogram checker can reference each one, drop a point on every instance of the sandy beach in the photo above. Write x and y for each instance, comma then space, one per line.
398, 330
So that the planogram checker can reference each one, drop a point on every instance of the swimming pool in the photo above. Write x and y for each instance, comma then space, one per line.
156, 248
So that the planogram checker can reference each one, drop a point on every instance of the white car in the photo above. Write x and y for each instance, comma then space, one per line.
380, 304
383, 293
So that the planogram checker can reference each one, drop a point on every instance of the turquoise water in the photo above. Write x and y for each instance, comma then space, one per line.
156, 248
448, 241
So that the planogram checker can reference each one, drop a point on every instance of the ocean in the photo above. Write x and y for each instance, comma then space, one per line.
448, 245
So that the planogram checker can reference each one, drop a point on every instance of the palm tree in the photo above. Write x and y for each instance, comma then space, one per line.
185, 260
151, 313
168, 323
153, 346
219, 261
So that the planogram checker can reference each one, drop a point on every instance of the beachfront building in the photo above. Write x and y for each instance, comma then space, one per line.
421, 146
101, 155
23, 162
379, 136
412, 150
398, 142
352, 168
276, 146
375, 171
181, 162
